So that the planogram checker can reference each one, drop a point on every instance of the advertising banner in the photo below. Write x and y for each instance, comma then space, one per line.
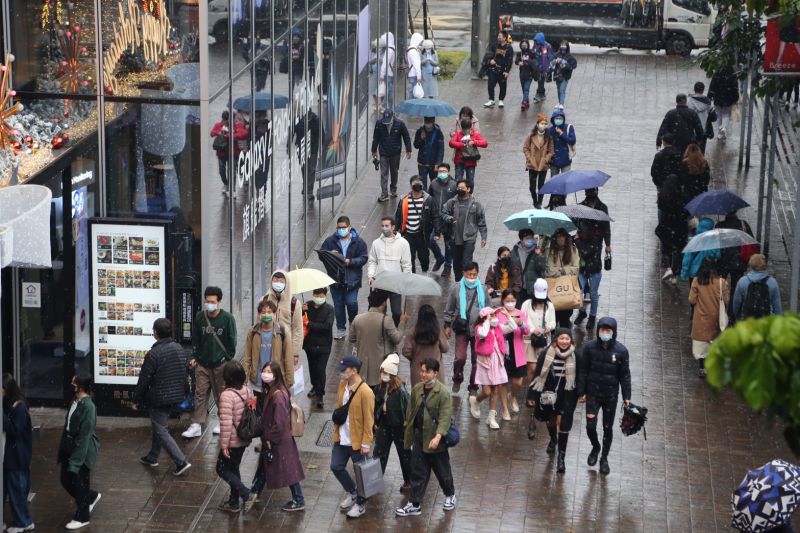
782, 50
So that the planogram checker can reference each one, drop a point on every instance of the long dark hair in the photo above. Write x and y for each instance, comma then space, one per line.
566, 252
427, 330
466, 110
12, 392
278, 383
707, 270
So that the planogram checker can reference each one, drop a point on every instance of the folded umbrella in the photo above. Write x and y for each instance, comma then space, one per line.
307, 279
540, 221
574, 181
425, 107
578, 211
333, 261
717, 239
407, 284
716, 202
766, 497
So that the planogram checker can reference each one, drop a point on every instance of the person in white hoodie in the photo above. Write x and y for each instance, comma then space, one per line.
701, 104
386, 59
389, 252
414, 62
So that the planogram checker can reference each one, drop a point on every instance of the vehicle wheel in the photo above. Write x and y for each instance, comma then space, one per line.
679, 45
220, 31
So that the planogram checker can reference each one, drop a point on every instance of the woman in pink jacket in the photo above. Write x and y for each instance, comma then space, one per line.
515, 328
232, 403
490, 349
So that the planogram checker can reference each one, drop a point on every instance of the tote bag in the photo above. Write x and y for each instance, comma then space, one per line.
564, 292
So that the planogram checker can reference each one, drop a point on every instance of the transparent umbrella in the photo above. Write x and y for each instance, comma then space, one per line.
716, 239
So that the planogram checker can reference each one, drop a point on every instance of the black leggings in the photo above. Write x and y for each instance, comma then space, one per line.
78, 486
609, 408
535, 181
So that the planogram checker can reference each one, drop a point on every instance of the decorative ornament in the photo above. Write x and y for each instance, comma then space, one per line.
57, 142
71, 69
152, 7
47, 13
7, 108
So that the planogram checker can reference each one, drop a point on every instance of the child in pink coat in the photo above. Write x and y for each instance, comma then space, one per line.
490, 348
515, 328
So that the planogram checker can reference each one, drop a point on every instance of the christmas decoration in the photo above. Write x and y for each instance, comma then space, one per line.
7, 108
72, 70
47, 12
152, 7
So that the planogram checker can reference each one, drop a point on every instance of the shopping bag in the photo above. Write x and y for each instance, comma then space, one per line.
369, 477
418, 91
299, 380
564, 292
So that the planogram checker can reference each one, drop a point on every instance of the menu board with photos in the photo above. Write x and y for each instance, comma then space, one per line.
128, 295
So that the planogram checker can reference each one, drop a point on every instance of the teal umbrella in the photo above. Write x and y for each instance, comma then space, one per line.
541, 221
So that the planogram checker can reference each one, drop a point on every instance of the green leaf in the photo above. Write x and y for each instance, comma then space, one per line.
756, 379
784, 335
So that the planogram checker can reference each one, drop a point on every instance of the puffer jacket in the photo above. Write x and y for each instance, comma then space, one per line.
163, 378
724, 88
232, 404
426, 217
441, 192
430, 149
603, 368
591, 236
693, 260
351, 275
389, 141
562, 141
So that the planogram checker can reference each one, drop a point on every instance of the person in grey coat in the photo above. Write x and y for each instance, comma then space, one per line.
464, 219
442, 189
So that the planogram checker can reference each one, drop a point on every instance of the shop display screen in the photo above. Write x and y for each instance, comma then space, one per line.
128, 294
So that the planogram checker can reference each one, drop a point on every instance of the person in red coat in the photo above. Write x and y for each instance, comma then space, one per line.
466, 136
221, 134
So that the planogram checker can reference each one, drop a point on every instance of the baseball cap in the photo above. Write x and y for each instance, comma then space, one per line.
388, 116
540, 289
350, 361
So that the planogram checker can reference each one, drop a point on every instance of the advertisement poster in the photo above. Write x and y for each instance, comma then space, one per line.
128, 294
782, 50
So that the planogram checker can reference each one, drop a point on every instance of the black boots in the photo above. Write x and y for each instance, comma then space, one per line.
590, 323
562, 452
604, 468
607, 438
581, 316
532, 428
701, 368
551, 446
592, 460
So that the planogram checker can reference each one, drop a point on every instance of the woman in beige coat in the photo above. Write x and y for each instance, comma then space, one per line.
707, 290
538, 149
266, 329
425, 340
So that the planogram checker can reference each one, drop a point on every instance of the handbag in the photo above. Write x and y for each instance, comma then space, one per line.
452, 437
564, 292
250, 424
461, 325
339, 415
470, 153
369, 477
723, 313
549, 397
220, 143
540, 341
607, 262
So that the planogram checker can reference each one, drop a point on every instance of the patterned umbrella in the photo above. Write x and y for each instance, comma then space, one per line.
766, 497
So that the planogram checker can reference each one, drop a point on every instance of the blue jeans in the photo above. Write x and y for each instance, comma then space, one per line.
562, 91
427, 174
412, 80
390, 92
470, 171
437, 252
297, 493
594, 288
340, 455
526, 88
344, 298
16, 486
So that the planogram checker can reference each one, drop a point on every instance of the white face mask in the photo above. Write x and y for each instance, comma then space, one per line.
386, 378
493, 322
510, 305
343, 376
211, 307
266, 377
430, 382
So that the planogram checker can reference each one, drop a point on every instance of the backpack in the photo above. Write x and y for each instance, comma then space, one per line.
221, 143
757, 302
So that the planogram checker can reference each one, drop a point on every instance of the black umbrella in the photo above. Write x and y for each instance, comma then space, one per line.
333, 261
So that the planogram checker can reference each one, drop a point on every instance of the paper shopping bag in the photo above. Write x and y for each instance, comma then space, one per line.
369, 477
299, 380
564, 292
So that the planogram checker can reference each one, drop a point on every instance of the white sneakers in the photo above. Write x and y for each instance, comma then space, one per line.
723, 134
490, 103
356, 511
348, 502
500, 103
74, 524
474, 408
95, 502
514, 405
215, 431
491, 420
449, 503
409, 509
340, 334
29, 527
667, 274
194, 430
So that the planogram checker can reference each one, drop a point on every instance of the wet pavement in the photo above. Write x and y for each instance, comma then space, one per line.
698, 444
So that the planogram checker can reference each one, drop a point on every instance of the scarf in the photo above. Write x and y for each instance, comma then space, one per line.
462, 297
569, 367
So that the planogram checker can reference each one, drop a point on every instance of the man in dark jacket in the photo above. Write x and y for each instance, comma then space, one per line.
162, 385
499, 67
429, 142
683, 123
724, 91
666, 161
317, 342
591, 236
414, 221
442, 189
307, 144
603, 369
528, 258
344, 292
388, 138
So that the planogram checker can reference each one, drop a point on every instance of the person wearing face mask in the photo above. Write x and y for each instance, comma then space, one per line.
541, 315
539, 149
466, 136
414, 216
389, 252
427, 422
528, 258
425, 340
466, 112
442, 189
388, 138
391, 400
317, 344
503, 274
490, 347
213, 344
543, 54
499, 67
414, 62
467, 297
603, 371
562, 259
266, 341
373, 335
527, 64
592, 234
429, 142
516, 329
430, 69
465, 219
562, 66
352, 440
353, 249
564, 140
289, 314
556, 371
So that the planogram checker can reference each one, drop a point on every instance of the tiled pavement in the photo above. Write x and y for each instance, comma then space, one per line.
698, 444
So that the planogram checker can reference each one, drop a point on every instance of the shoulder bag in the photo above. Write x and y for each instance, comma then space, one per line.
216, 337
723, 313
452, 437
470, 153
540, 341
549, 397
339, 415
461, 325
250, 424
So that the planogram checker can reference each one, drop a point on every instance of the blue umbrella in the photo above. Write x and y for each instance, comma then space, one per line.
716, 202
264, 102
425, 107
574, 181
766, 497
541, 221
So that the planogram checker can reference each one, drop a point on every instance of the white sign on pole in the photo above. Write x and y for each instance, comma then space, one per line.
31, 294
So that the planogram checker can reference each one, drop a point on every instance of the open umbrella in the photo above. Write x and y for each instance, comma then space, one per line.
264, 102
574, 181
541, 221
584, 212
407, 284
333, 261
716, 202
766, 497
307, 279
717, 239
425, 107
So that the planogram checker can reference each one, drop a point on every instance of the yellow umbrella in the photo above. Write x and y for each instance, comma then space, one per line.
307, 279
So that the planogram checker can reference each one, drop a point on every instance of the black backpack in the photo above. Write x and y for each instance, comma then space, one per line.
757, 300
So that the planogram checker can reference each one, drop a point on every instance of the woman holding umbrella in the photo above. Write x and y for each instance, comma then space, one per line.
709, 295
425, 340
562, 259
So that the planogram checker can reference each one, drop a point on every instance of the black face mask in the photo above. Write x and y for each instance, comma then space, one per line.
462, 193
416, 187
